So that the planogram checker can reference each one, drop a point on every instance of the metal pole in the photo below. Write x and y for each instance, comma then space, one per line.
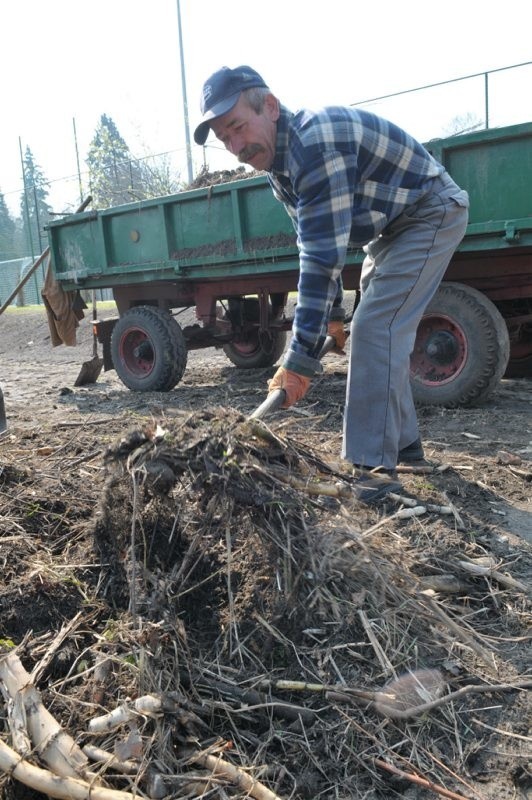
77, 160
486, 99
184, 92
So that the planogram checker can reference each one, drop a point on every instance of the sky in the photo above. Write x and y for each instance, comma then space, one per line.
64, 63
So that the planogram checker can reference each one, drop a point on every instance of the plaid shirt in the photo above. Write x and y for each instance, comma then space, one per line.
343, 174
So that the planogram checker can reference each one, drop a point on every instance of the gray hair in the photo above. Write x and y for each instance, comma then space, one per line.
255, 97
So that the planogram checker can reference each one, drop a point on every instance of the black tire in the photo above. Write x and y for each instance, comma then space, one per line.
461, 350
250, 349
148, 349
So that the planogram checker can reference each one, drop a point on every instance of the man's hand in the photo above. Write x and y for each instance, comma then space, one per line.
336, 329
294, 385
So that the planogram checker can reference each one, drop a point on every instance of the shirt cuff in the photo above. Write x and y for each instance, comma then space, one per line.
337, 312
301, 363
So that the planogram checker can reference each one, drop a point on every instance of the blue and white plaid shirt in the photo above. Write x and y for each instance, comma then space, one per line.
343, 174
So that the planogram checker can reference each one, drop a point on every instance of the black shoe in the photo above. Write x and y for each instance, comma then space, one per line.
414, 452
369, 487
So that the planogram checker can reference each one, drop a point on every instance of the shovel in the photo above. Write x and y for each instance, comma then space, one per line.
3, 419
90, 370
275, 399
367, 488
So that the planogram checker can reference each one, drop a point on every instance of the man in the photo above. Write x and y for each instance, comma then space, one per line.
345, 177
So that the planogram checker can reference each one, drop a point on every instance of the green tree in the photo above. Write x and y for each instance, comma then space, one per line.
113, 174
34, 209
463, 123
7, 232
116, 176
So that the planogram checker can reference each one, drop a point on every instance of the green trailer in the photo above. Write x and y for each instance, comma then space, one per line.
229, 252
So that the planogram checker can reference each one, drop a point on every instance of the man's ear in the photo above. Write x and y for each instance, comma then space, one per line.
271, 107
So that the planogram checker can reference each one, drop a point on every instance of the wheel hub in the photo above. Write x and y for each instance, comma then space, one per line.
441, 347
440, 351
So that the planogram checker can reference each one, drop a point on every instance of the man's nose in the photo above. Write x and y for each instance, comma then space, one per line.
235, 144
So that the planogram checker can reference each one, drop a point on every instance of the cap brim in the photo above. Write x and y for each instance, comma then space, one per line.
202, 131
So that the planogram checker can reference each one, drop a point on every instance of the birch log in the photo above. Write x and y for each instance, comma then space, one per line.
42, 780
54, 746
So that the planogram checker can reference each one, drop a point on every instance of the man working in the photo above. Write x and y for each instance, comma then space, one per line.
348, 177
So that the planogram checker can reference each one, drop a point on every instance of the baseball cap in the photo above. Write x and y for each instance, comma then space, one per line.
221, 92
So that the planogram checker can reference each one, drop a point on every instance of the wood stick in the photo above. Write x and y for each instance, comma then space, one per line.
238, 777
148, 705
415, 711
379, 652
490, 571
109, 761
417, 779
465, 637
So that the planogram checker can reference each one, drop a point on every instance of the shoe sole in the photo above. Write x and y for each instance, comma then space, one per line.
371, 490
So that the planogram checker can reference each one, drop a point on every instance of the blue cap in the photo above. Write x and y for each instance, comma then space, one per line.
221, 92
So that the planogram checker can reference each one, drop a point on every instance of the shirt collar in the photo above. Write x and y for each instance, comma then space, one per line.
279, 164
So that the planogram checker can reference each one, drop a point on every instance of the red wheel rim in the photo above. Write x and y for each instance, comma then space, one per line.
136, 352
440, 352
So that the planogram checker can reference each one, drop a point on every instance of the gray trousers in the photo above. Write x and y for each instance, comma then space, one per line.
400, 274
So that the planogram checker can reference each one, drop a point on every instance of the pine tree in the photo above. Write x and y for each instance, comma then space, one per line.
113, 174
7, 232
34, 210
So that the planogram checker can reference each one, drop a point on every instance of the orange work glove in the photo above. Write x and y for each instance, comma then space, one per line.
294, 384
336, 329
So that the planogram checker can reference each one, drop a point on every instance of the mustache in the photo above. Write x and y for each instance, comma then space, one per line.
248, 152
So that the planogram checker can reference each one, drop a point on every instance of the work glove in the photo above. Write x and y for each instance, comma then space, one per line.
336, 329
294, 385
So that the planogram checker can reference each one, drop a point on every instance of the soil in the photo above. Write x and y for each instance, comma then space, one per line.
222, 517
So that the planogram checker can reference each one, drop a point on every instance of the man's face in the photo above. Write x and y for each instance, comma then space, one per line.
248, 135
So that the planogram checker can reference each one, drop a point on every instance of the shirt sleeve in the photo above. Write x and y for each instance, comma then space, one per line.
325, 190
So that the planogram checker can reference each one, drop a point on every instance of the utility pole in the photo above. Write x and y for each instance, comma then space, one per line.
184, 92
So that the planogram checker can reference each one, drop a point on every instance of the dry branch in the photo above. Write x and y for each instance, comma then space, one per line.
418, 780
238, 777
64, 788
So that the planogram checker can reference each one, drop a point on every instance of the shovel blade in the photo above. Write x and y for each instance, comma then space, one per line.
89, 372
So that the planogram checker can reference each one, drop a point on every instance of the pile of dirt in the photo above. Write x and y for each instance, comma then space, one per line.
206, 178
222, 558
164, 545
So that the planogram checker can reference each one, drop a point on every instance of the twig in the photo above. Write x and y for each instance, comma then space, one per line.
487, 658
379, 652
237, 776
108, 760
420, 781
415, 711
458, 519
58, 640
277, 707
490, 571
422, 469
502, 732
149, 705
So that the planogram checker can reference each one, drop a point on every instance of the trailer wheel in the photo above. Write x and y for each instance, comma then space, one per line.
148, 349
251, 349
461, 350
